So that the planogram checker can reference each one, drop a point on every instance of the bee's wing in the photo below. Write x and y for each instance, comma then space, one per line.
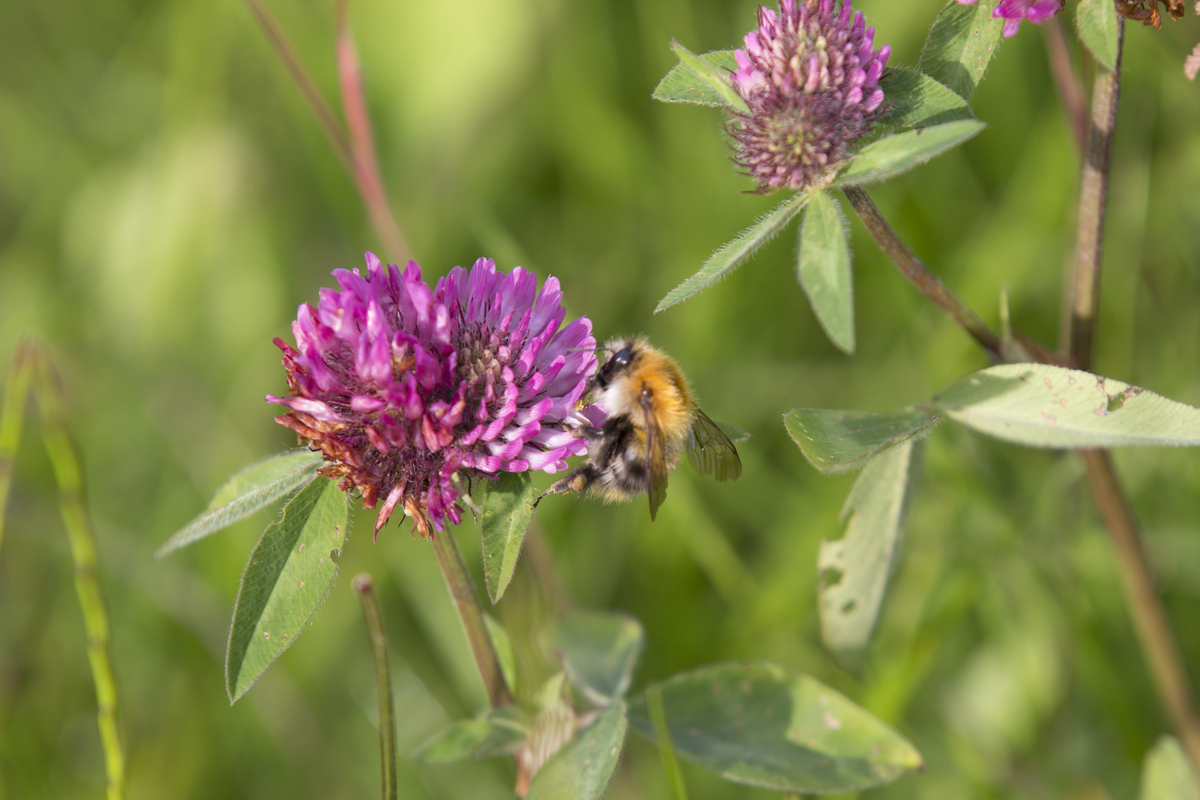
710, 451
656, 460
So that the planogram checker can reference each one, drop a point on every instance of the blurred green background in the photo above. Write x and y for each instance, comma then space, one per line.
166, 201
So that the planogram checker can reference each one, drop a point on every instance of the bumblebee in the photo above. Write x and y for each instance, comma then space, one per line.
651, 420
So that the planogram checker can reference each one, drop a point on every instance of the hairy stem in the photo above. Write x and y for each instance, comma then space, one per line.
12, 420
1093, 199
69, 475
462, 592
362, 143
383, 681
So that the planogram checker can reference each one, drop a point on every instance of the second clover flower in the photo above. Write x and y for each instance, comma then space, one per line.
810, 76
407, 389
1013, 11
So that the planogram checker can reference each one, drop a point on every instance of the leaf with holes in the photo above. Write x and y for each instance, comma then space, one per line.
289, 573
598, 650
254, 488
1096, 22
893, 155
823, 267
738, 251
854, 569
1044, 406
582, 769
919, 101
684, 85
507, 508
836, 441
961, 42
766, 726
1167, 774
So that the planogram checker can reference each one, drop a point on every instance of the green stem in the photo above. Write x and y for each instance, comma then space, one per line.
462, 592
1093, 200
383, 682
69, 475
12, 420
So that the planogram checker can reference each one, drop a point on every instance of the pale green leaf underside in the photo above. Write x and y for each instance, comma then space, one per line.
505, 654
716, 77
599, 652
1167, 774
919, 101
582, 769
286, 580
823, 267
836, 441
961, 42
1096, 22
1045, 406
683, 85
762, 725
250, 490
507, 508
854, 569
892, 155
736, 252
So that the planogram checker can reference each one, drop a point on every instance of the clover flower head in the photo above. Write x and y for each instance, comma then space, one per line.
411, 392
1013, 11
810, 76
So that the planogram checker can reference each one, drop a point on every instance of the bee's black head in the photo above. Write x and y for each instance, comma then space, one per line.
617, 363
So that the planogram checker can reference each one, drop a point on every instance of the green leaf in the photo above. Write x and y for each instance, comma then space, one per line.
961, 42
582, 769
714, 73
598, 651
1045, 406
919, 101
836, 441
286, 580
1096, 21
683, 85
1167, 774
499, 731
854, 569
507, 508
823, 266
762, 725
892, 155
254, 488
736, 252
502, 644
508, 729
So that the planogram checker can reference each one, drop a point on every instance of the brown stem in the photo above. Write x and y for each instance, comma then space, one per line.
1093, 199
912, 268
1149, 616
1070, 90
362, 143
462, 592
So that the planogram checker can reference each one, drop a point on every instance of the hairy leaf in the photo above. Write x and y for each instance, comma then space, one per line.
507, 508
823, 267
683, 85
763, 725
836, 441
961, 42
599, 652
286, 580
255, 487
582, 769
1096, 22
736, 252
892, 155
919, 101
716, 77
854, 569
1045, 406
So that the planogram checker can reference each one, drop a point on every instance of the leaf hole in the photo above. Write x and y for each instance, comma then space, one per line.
849, 606
830, 577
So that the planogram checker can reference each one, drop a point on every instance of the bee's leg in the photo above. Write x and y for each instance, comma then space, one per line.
575, 481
